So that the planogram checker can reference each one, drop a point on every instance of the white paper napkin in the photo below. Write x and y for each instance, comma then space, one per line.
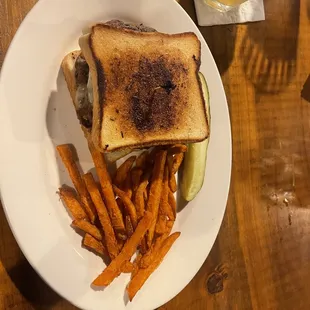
250, 11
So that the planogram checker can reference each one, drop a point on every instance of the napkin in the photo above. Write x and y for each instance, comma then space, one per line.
250, 11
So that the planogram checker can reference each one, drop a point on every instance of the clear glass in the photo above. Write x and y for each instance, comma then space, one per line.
224, 5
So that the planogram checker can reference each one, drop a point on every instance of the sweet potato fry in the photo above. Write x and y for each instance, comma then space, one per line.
121, 237
142, 159
172, 180
152, 154
164, 207
143, 246
143, 274
136, 264
123, 170
145, 194
150, 255
177, 161
172, 203
69, 197
67, 157
129, 228
161, 224
88, 228
127, 267
155, 191
169, 225
90, 242
127, 188
139, 199
114, 269
120, 243
129, 206
107, 191
120, 205
173, 183
140, 202
103, 215
136, 174
177, 148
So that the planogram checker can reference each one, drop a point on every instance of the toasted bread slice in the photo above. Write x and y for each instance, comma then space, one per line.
68, 68
146, 88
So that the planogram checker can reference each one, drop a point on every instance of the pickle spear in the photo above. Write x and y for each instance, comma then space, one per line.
194, 165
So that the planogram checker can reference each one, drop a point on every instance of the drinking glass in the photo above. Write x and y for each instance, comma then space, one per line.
224, 5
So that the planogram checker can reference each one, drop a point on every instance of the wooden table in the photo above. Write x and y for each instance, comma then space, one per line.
261, 258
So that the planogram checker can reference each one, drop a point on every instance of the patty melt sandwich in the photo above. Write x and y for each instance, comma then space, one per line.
133, 87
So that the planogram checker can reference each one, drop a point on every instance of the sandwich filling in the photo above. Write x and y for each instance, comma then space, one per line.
83, 100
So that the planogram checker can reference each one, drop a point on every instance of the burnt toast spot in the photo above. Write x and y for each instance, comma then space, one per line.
168, 86
152, 88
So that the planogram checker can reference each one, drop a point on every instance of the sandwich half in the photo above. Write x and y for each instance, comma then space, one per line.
133, 87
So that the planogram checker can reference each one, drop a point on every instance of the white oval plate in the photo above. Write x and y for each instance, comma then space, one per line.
36, 114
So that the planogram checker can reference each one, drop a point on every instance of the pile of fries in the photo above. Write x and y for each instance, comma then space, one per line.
131, 212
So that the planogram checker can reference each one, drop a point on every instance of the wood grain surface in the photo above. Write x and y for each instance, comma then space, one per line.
261, 258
